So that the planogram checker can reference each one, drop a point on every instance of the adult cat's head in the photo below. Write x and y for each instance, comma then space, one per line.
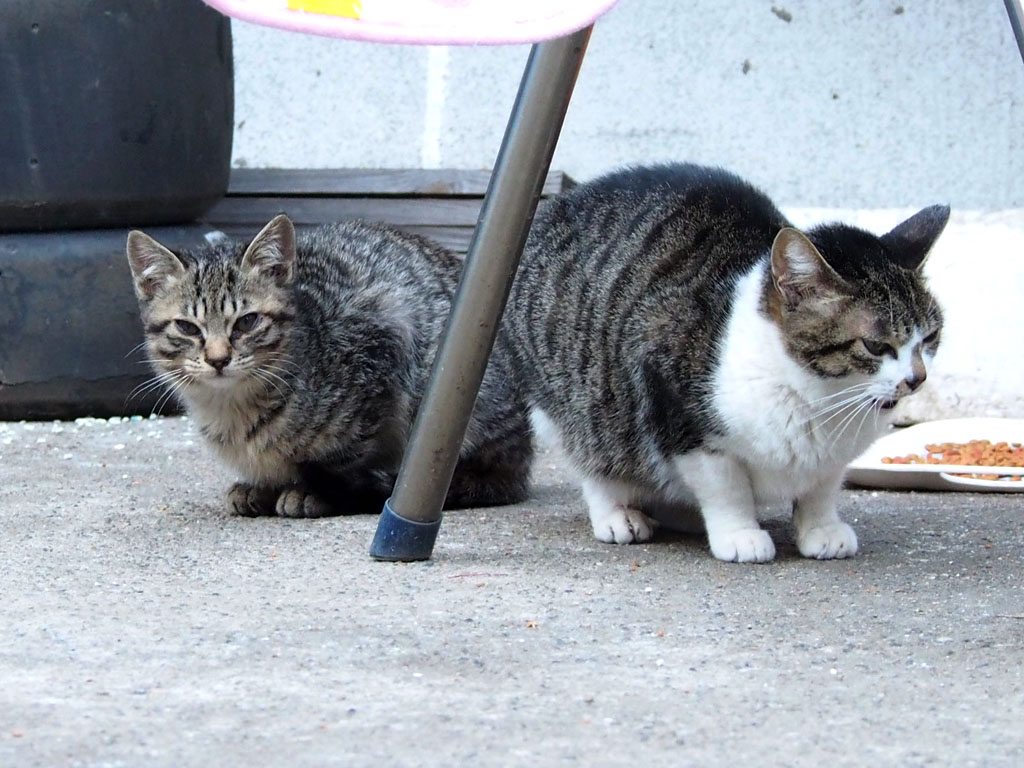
854, 307
218, 317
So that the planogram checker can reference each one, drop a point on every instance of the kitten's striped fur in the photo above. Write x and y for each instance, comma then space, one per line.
690, 349
302, 362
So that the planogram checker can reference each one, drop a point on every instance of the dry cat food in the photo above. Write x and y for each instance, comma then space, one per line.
978, 453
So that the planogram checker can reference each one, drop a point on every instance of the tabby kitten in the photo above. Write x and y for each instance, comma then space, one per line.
302, 361
694, 352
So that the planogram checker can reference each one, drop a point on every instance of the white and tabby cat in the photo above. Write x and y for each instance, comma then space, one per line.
303, 362
692, 351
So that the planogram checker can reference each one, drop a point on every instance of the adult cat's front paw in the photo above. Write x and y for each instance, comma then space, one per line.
622, 525
297, 502
743, 545
827, 542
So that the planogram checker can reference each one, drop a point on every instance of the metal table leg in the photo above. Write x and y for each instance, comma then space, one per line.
1016, 14
411, 518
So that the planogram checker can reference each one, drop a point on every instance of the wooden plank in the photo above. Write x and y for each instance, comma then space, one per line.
453, 238
316, 210
265, 182
442, 205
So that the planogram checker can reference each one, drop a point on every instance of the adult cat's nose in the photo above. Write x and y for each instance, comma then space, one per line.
915, 380
918, 372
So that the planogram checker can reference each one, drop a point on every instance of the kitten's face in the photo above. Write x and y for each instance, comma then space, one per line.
854, 308
217, 318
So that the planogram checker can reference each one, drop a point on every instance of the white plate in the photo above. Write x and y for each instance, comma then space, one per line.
868, 469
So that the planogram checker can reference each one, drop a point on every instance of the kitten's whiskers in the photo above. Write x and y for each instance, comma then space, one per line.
285, 361
277, 372
136, 348
163, 378
182, 381
264, 376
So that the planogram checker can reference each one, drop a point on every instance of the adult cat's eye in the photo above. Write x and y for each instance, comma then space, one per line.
878, 348
187, 328
246, 323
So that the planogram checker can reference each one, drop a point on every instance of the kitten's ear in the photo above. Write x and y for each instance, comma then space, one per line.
799, 271
912, 240
153, 266
272, 251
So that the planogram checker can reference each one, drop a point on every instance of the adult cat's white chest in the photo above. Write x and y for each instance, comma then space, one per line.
784, 424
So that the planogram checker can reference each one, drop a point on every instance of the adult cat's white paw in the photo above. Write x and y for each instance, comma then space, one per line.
622, 525
827, 542
743, 545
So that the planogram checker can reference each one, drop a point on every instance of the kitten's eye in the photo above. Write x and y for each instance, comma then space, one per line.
246, 323
187, 328
931, 338
878, 348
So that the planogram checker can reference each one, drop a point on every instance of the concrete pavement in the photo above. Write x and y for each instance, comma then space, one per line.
142, 626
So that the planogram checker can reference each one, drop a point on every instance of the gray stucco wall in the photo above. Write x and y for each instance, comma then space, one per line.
833, 103
851, 108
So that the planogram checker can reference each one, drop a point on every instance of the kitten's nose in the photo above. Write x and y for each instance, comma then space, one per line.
218, 362
217, 353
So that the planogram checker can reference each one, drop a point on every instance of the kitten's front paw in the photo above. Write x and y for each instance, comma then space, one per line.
744, 545
827, 542
250, 501
297, 502
622, 525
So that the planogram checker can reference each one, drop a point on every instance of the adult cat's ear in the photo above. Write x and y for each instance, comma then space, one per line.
799, 271
912, 240
153, 266
272, 251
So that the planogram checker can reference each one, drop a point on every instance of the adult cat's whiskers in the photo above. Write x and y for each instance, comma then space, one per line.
841, 393
843, 409
837, 408
858, 403
867, 412
865, 406
851, 395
